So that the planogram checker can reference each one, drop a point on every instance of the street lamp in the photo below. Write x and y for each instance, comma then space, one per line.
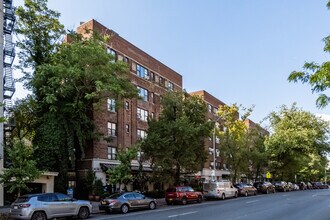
214, 152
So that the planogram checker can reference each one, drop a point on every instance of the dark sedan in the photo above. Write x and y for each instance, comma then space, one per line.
264, 187
245, 189
124, 202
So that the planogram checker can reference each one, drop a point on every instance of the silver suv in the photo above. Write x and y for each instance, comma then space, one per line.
49, 205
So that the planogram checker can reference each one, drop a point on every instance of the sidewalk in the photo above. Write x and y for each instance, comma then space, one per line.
95, 206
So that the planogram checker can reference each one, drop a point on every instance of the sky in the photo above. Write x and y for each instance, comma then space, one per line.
239, 51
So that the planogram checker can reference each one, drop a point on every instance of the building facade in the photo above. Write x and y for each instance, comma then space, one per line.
211, 144
127, 124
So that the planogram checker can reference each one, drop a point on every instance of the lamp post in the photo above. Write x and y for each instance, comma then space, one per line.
213, 178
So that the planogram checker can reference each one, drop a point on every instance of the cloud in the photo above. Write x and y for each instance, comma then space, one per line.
324, 117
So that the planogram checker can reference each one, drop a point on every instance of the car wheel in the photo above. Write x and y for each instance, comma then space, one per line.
246, 194
83, 213
200, 199
152, 205
223, 197
184, 201
124, 209
39, 216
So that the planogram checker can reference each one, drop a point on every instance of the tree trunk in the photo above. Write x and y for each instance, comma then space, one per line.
177, 174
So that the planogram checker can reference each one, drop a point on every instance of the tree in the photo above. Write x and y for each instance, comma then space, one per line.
38, 33
317, 75
70, 88
257, 155
233, 144
297, 137
23, 169
175, 141
68, 81
122, 173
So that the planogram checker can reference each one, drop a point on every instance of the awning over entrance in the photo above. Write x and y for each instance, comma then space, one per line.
106, 166
145, 169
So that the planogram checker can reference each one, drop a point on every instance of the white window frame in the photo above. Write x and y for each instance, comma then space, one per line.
112, 129
142, 114
112, 153
111, 105
141, 134
143, 93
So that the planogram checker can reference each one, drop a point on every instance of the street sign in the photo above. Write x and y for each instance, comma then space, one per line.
268, 175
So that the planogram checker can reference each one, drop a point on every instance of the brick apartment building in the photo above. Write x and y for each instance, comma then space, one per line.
221, 170
128, 123
251, 125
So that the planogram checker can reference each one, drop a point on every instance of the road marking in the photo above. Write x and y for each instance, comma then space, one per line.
252, 201
186, 213
314, 195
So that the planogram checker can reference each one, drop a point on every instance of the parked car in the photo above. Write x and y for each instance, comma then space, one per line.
245, 189
302, 186
183, 195
281, 186
126, 201
309, 185
296, 187
220, 189
264, 187
319, 185
290, 186
49, 205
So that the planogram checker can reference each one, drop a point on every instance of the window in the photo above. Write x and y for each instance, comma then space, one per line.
126, 105
161, 81
112, 53
111, 105
152, 115
153, 97
111, 129
142, 114
127, 128
143, 93
141, 134
215, 110
126, 59
152, 76
209, 107
170, 86
112, 153
142, 72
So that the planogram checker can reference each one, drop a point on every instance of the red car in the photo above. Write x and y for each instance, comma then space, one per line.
183, 195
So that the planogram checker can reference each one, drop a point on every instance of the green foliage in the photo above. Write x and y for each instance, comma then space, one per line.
257, 156
316, 75
122, 173
25, 118
175, 141
98, 187
38, 35
233, 144
22, 170
298, 138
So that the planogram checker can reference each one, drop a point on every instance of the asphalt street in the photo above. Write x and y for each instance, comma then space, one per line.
298, 205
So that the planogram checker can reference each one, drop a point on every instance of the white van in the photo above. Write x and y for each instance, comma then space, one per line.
220, 189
